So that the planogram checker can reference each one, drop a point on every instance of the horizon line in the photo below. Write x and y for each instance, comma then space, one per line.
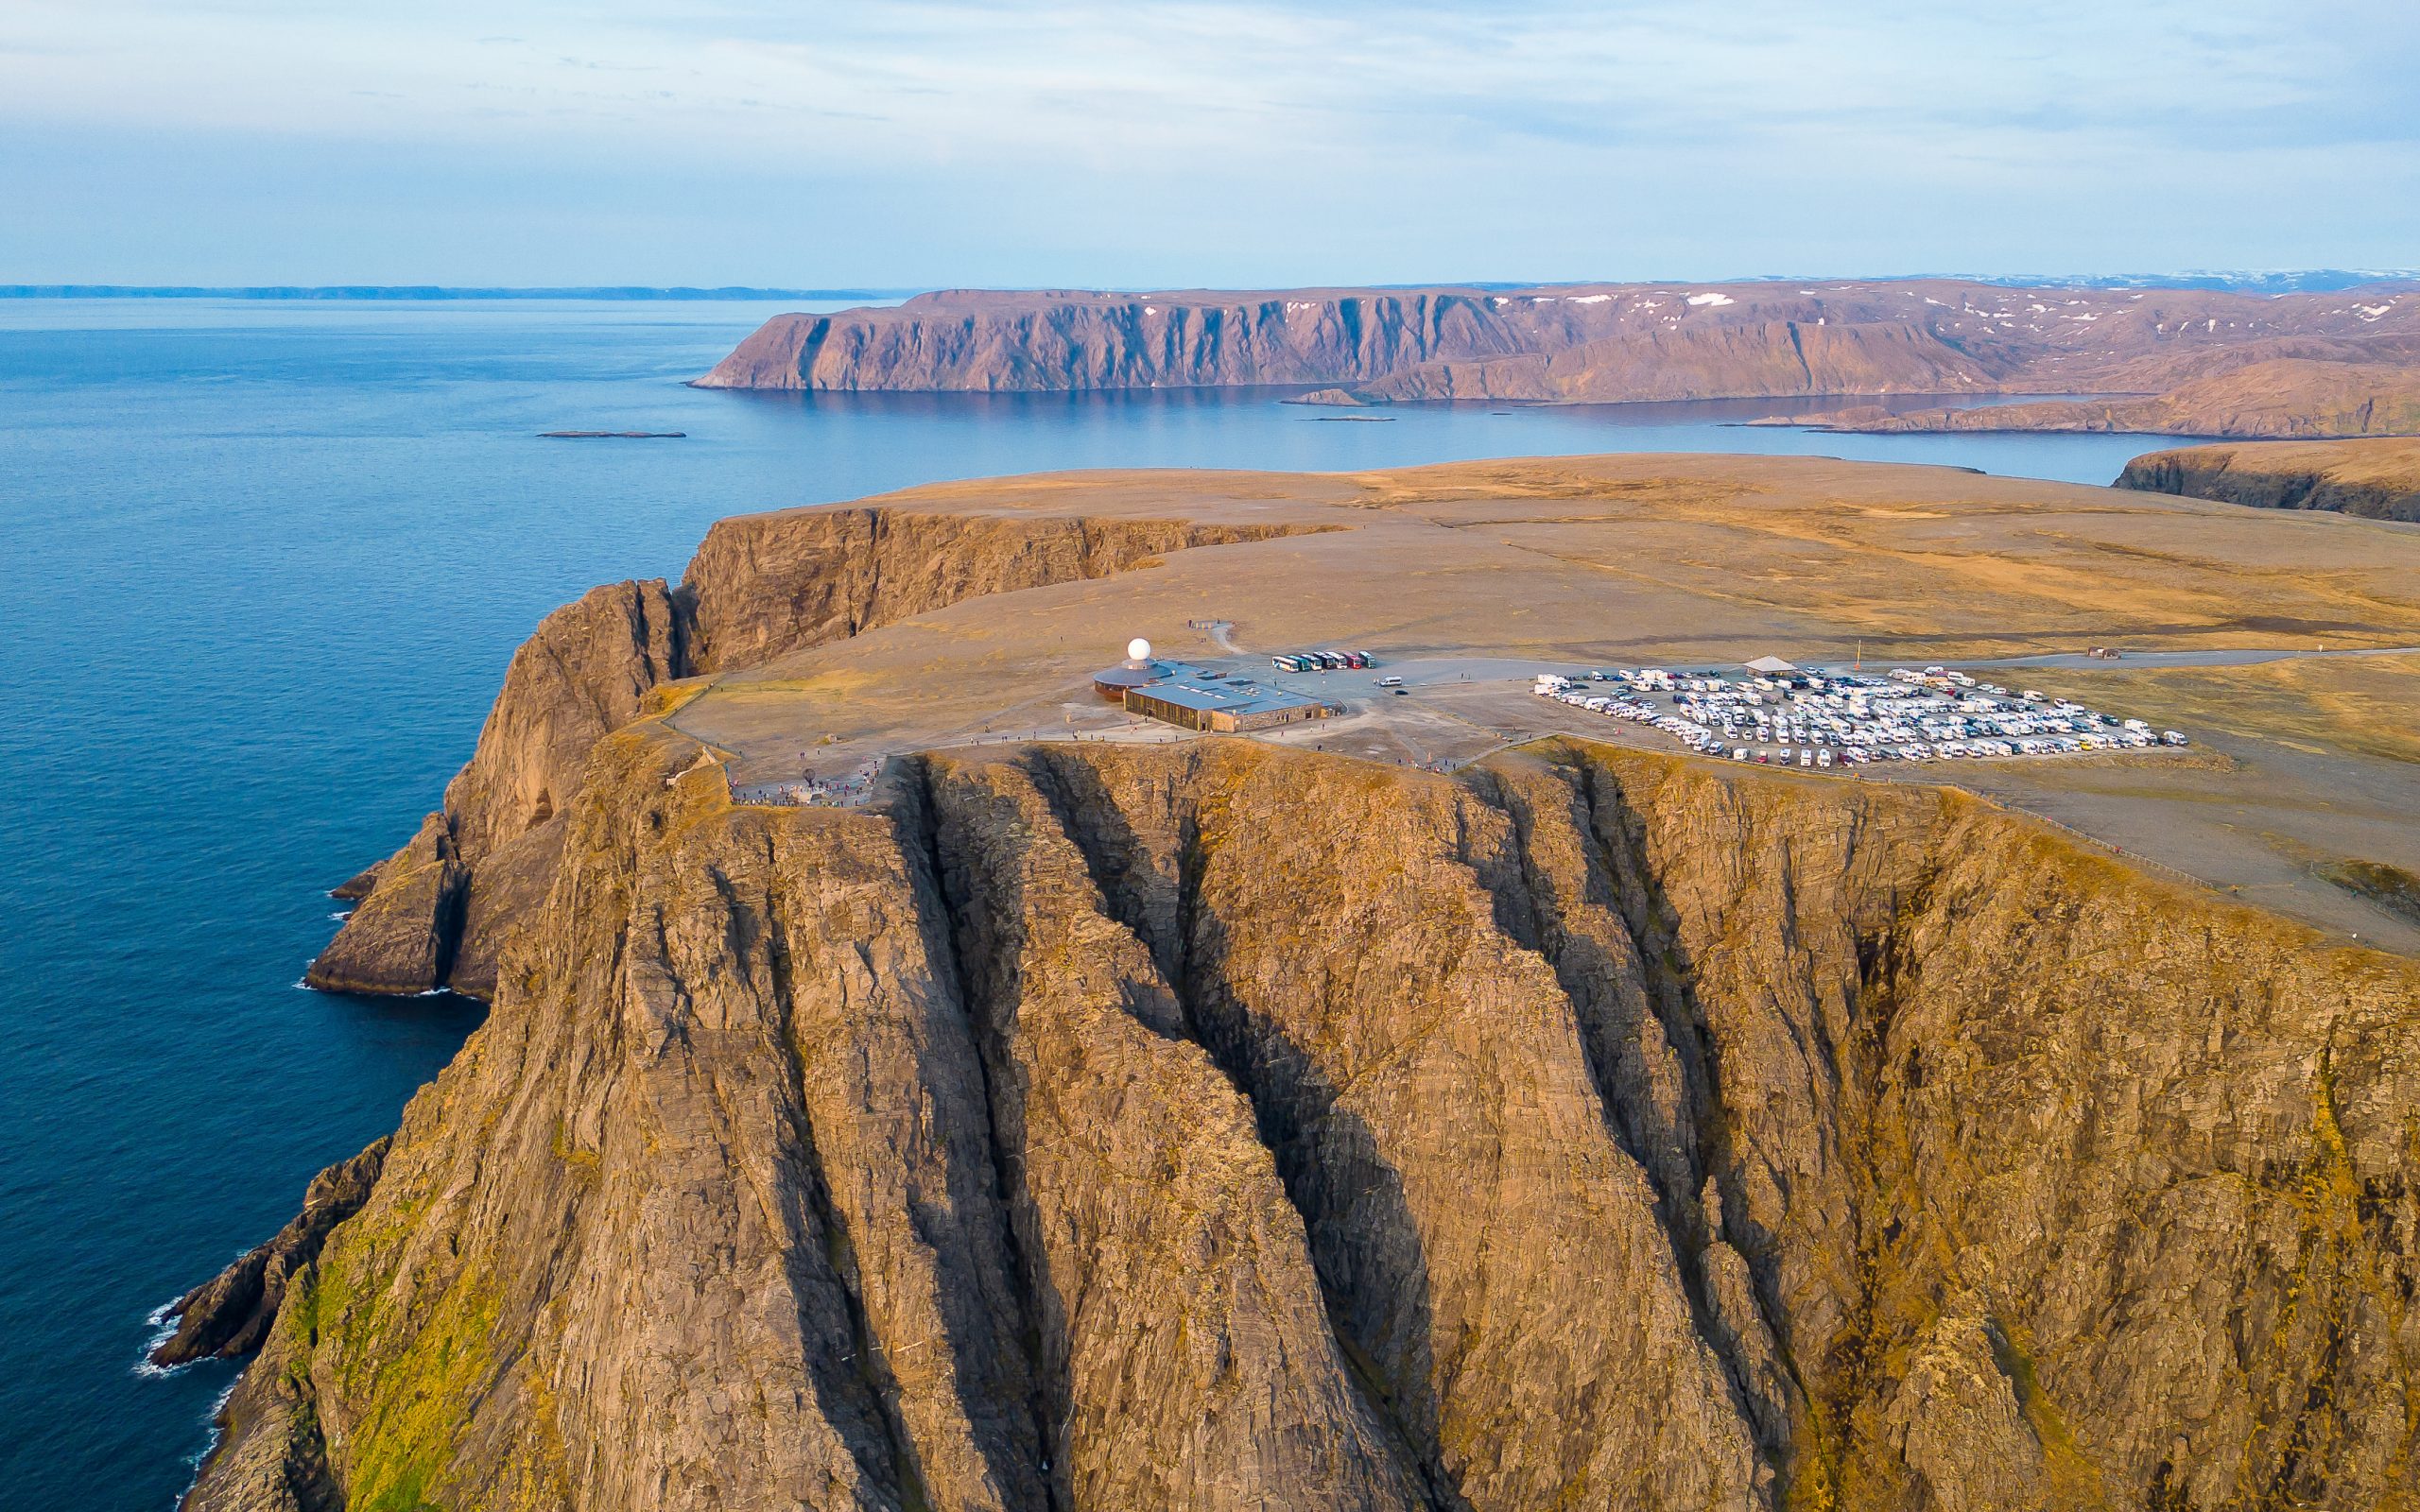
428, 291
2285, 279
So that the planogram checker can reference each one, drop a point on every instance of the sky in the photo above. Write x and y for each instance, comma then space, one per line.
1204, 143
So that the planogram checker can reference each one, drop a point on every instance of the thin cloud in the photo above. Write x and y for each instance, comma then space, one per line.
1398, 126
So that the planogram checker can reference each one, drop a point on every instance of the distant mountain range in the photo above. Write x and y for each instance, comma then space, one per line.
2273, 280
2307, 280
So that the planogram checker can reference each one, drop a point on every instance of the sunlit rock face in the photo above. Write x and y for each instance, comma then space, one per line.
1227, 1126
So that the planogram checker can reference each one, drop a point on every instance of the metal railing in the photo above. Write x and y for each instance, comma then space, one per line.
802, 792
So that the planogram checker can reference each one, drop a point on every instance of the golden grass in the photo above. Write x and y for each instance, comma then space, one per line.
1631, 559
2365, 705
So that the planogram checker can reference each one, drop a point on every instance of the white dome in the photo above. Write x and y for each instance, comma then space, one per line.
1138, 649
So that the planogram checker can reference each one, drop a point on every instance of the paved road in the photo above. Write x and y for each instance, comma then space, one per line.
1427, 672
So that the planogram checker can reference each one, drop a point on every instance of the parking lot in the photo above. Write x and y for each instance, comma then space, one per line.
1813, 719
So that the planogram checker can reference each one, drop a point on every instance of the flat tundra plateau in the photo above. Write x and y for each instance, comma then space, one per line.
1479, 573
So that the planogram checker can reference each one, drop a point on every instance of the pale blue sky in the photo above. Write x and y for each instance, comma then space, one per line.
1213, 142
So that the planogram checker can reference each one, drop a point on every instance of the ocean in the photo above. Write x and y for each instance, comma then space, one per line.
264, 563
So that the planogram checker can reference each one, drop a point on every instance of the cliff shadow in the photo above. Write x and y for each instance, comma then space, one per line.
1800, 931
1364, 1242
1139, 886
854, 1391
1649, 1102
960, 947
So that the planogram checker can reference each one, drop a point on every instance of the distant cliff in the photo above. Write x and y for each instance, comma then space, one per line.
1599, 343
2379, 479
1054, 343
2283, 397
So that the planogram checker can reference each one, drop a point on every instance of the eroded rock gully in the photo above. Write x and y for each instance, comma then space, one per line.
1226, 1126
436, 914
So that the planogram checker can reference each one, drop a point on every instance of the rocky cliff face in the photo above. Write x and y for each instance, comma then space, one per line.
1084, 342
764, 584
1726, 361
438, 912
2280, 398
1225, 1127
1441, 345
1597, 342
2378, 479
229, 1315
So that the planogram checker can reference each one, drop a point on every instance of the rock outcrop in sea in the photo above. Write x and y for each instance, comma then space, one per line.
229, 1315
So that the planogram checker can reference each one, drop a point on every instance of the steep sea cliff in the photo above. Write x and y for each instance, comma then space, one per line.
2377, 479
436, 913
1226, 1126
1591, 343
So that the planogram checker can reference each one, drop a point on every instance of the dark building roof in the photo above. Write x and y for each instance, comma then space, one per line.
1247, 698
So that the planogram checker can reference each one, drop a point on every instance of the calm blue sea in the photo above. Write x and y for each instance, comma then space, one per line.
263, 567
